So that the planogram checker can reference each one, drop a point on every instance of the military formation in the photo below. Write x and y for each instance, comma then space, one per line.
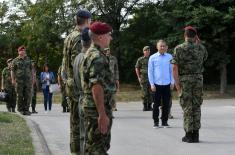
90, 84
89, 79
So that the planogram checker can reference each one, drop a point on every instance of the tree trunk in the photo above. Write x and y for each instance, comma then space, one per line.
223, 79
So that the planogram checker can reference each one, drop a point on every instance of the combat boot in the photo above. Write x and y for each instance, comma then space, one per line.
145, 108
64, 109
13, 110
9, 109
196, 136
34, 111
27, 113
188, 137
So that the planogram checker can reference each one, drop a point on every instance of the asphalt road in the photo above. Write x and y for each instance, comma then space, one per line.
133, 132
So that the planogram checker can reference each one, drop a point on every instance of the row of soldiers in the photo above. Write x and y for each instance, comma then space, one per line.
19, 82
91, 80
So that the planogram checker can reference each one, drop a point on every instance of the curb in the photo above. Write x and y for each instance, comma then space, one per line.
39, 141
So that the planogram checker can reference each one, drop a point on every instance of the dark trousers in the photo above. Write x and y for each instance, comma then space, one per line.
162, 95
47, 98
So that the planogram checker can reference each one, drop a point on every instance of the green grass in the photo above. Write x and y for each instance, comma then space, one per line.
130, 93
15, 136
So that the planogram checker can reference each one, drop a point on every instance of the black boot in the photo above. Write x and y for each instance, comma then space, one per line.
13, 110
188, 137
64, 109
145, 108
34, 111
196, 136
9, 109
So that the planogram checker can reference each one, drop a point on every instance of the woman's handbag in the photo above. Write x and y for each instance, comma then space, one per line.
54, 88
3, 96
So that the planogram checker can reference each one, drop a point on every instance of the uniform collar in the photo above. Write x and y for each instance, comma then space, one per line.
190, 40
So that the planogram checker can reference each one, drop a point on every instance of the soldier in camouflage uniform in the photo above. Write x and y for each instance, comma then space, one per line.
8, 87
86, 42
61, 83
34, 89
187, 63
20, 73
141, 69
115, 75
72, 46
97, 87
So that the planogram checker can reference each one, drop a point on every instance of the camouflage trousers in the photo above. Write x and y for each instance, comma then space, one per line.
190, 101
113, 102
146, 94
95, 142
23, 96
11, 103
81, 125
34, 97
64, 102
74, 127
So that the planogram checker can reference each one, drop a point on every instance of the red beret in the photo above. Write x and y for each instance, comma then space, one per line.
100, 28
21, 48
190, 28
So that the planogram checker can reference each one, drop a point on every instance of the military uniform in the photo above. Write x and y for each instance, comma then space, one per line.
79, 95
95, 69
72, 46
22, 70
113, 63
34, 90
9, 88
190, 57
142, 65
64, 103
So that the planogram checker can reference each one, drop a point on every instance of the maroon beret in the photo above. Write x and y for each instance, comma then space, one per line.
190, 28
21, 48
100, 28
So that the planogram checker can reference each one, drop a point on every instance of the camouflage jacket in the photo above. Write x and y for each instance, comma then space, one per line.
22, 69
95, 69
72, 46
77, 76
6, 78
189, 57
62, 85
113, 64
142, 65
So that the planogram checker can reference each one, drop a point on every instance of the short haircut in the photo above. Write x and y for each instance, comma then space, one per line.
80, 21
190, 33
161, 41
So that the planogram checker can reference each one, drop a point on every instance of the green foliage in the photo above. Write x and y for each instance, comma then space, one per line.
42, 27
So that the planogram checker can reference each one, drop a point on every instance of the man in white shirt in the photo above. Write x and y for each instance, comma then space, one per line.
161, 80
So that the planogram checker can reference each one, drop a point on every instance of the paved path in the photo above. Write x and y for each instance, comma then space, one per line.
132, 132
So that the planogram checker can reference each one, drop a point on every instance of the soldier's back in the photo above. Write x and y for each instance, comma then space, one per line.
190, 58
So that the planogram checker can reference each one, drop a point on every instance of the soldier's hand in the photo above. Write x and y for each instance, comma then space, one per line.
153, 88
178, 88
139, 79
103, 124
117, 84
